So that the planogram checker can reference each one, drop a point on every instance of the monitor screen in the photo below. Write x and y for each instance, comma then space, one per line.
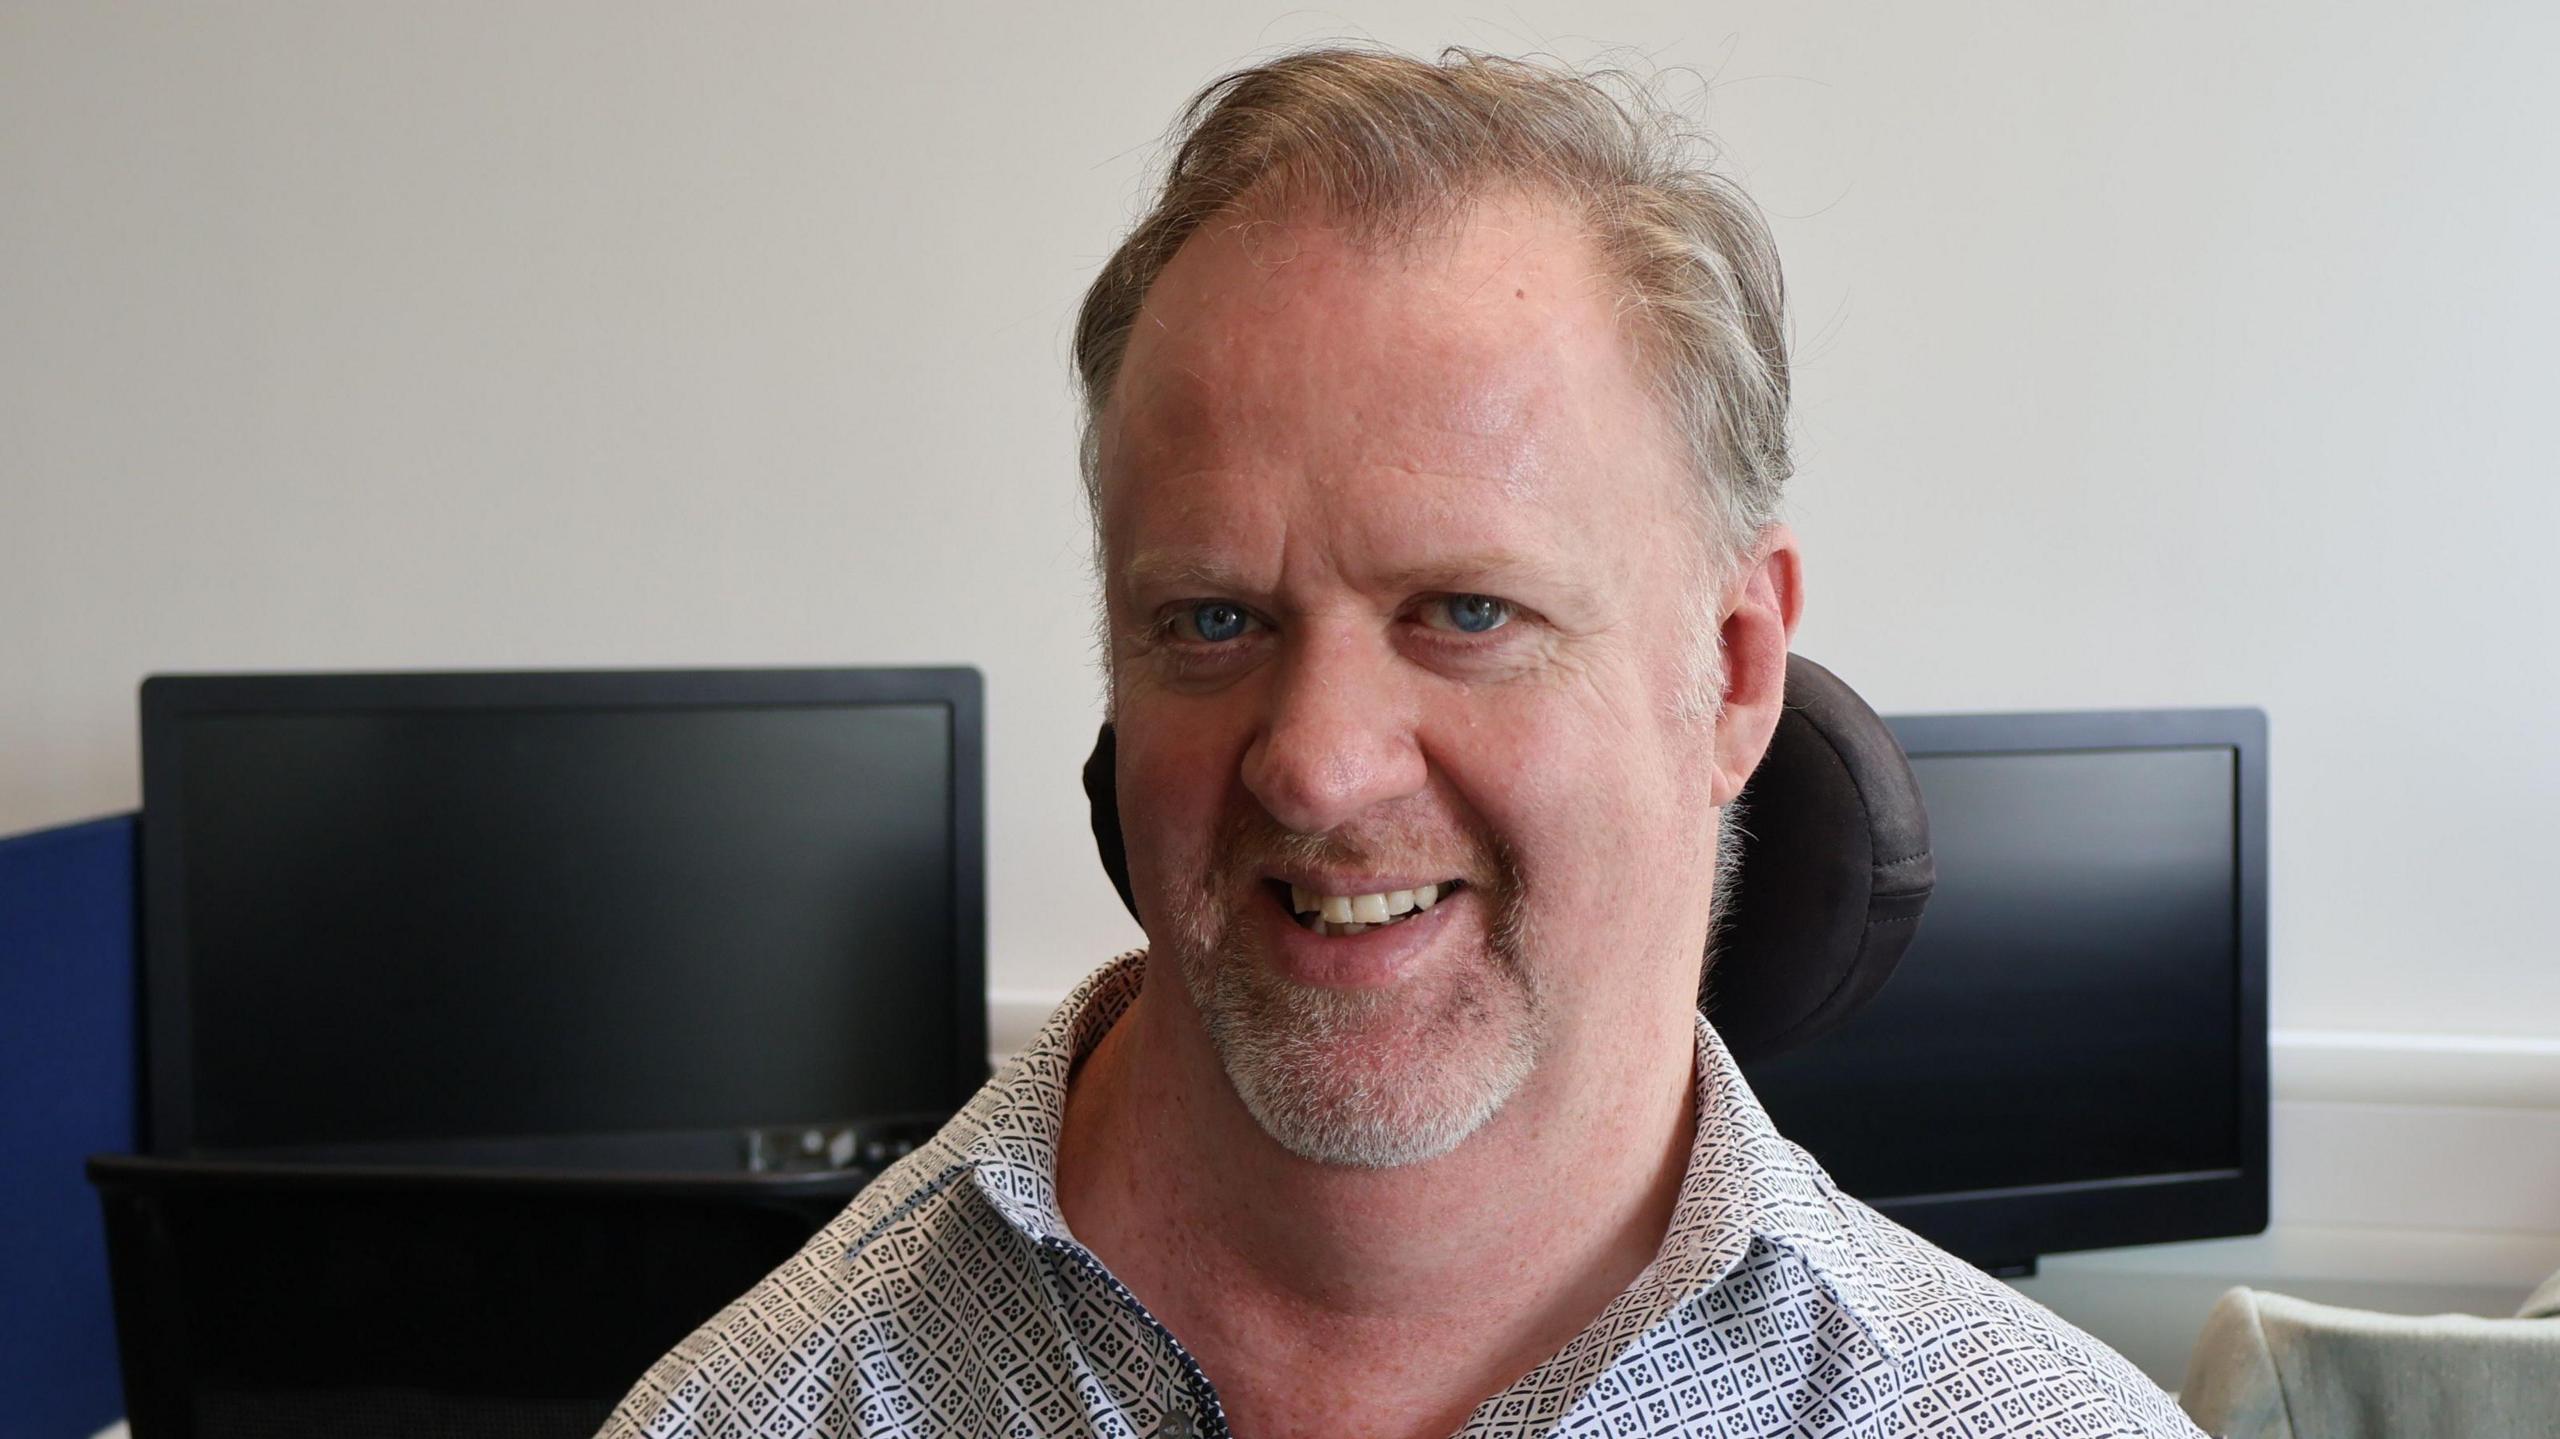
400, 923
2069, 1012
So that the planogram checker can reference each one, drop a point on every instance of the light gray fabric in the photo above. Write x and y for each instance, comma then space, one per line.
950, 1299
2543, 1303
2273, 1367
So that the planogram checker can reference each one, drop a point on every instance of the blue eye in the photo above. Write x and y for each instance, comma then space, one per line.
1218, 621
1472, 614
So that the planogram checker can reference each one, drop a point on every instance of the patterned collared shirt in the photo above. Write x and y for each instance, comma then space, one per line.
950, 1299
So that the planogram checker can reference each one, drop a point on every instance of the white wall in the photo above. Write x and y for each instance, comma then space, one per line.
2148, 355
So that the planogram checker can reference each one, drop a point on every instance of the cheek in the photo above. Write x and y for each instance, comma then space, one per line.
1588, 806
1174, 777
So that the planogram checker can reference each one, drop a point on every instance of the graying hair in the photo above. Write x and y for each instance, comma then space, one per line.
1390, 146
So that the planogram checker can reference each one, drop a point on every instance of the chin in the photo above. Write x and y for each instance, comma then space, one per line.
1366, 1078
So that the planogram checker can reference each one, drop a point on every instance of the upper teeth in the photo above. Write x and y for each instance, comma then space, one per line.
1362, 908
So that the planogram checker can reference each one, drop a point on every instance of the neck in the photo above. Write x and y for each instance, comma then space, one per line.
1268, 1266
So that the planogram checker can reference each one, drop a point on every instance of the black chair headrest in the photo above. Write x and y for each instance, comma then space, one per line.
1835, 872
1835, 869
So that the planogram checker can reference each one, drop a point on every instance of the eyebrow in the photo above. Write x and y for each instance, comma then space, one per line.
1495, 572
1166, 569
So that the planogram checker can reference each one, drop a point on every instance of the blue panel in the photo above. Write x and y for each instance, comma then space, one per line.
67, 1081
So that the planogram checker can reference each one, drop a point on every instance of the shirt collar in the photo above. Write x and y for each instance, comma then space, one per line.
1008, 1135
1745, 1181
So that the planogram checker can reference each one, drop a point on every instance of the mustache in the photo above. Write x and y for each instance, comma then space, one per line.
1250, 842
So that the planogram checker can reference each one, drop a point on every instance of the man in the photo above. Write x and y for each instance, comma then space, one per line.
1436, 422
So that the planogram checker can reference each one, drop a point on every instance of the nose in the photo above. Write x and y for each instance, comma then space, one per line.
1338, 735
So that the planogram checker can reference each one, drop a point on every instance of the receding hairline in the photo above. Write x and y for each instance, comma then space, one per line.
1579, 268
1397, 144
1386, 233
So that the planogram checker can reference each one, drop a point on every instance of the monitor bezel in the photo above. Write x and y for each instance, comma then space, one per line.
2009, 1227
168, 701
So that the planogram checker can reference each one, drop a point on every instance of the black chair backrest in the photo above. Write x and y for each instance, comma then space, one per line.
1835, 869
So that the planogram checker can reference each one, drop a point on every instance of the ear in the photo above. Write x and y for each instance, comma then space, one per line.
1761, 605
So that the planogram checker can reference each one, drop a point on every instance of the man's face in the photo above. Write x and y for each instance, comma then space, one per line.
1396, 556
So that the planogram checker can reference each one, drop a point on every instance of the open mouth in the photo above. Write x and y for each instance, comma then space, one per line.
1349, 914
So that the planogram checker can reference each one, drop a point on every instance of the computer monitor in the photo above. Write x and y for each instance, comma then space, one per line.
2072, 1053
583, 919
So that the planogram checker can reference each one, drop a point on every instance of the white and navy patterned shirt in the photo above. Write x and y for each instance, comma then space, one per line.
950, 1299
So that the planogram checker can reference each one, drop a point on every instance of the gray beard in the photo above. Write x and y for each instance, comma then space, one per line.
1297, 1054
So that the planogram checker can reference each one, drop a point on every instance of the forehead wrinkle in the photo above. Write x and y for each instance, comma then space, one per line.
1438, 409
1483, 434
1194, 552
